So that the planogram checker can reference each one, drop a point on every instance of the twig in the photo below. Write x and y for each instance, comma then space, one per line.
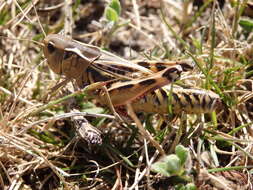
137, 14
68, 22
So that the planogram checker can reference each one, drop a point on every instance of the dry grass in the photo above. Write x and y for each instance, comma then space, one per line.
40, 151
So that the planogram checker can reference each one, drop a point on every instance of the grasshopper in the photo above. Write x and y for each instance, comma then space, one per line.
88, 64
116, 82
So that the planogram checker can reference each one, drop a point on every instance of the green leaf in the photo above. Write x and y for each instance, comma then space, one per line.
246, 24
182, 153
111, 14
115, 5
161, 168
169, 165
174, 163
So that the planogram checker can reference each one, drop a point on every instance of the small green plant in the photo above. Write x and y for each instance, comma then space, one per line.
112, 11
173, 165
112, 21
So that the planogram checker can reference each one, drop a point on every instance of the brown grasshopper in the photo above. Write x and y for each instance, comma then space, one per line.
115, 82
95, 67
88, 64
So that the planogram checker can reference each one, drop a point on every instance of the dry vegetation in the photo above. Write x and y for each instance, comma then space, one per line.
39, 152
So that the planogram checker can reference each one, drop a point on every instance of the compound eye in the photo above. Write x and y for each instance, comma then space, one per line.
51, 48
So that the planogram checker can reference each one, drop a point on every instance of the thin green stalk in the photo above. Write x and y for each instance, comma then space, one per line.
54, 102
213, 39
218, 90
229, 168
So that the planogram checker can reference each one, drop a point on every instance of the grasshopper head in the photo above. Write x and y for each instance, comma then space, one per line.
68, 57
53, 50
